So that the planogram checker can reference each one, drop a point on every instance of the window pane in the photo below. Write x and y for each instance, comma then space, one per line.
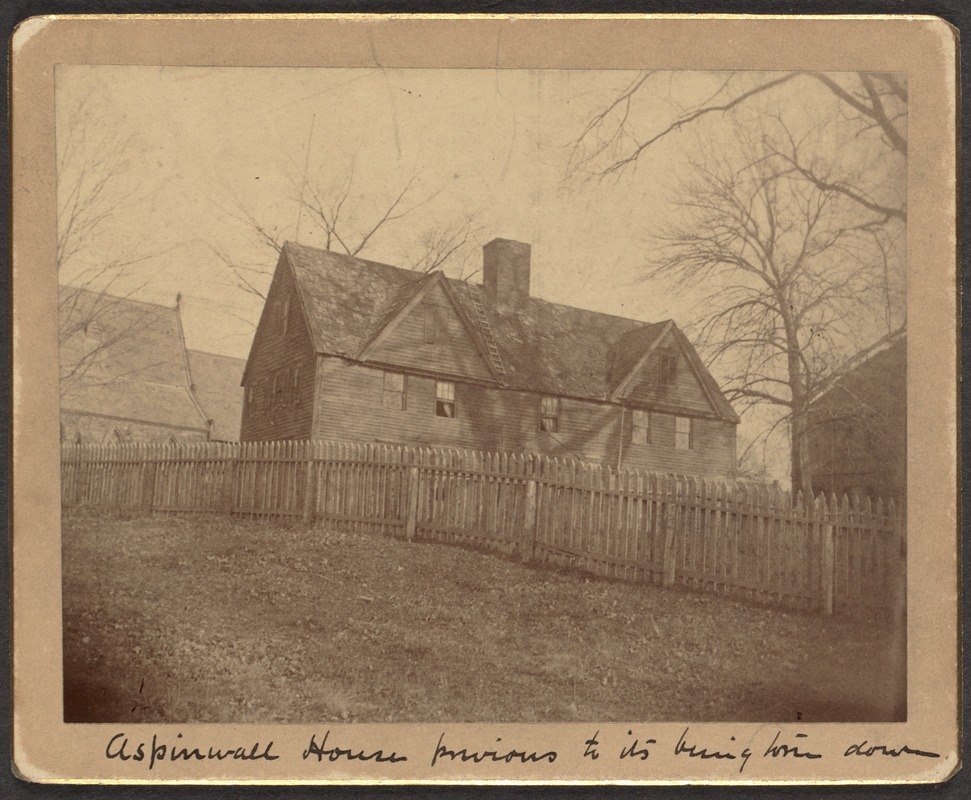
682, 433
445, 390
641, 426
394, 381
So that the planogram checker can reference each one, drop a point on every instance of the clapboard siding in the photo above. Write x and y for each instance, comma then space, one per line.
454, 354
712, 448
350, 406
685, 394
274, 358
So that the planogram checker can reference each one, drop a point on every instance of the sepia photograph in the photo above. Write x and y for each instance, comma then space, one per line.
567, 395
462, 396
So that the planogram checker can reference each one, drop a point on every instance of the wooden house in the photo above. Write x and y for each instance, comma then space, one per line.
858, 427
124, 375
355, 350
216, 387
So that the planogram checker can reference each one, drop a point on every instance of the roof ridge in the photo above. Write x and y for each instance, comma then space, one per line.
115, 296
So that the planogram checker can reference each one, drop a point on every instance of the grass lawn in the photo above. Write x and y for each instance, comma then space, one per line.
219, 620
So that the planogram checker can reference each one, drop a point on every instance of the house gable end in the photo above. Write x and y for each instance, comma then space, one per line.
427, 330
670, 377
283, 287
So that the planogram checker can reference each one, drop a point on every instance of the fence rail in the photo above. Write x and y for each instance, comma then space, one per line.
826, 554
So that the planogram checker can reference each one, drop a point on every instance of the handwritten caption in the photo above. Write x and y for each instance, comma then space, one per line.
450, 748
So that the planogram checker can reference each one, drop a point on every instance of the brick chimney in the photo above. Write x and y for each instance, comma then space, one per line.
505, 272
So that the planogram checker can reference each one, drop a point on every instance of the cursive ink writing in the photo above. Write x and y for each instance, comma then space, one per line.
336, 753
634, 749
693, 751
121, 748
497, 755
862, 749
775, 750
590, 751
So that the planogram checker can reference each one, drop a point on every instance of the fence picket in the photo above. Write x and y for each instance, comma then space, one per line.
841, 555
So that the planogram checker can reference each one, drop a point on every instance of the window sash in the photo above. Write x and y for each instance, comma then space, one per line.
683, 433
437, 323
393, 391
445, 399
549, 414
669, 369
641, 426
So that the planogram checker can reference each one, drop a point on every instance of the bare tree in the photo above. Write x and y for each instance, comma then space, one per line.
872, 105
94, 169
790, 272
348, 224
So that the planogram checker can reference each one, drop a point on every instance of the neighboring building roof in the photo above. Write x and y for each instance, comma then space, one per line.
543, 347
135, 401
863, 384
216, 384
125, 359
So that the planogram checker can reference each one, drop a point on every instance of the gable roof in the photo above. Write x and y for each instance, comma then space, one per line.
216, 383
540, 347
124, 358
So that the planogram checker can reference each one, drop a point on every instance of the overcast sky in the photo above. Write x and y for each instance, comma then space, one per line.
200, 143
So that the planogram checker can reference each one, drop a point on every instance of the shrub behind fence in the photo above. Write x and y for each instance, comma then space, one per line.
746, 540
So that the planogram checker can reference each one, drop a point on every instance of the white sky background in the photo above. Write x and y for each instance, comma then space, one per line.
488, 141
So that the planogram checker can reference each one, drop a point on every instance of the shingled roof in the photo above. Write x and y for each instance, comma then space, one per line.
216, 384
124, 358
543, 347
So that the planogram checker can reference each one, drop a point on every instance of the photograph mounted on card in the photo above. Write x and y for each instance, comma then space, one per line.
440, 399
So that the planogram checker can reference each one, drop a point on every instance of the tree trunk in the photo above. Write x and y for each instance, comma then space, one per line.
802, 478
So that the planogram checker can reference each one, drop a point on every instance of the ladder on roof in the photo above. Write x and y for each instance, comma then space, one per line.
480, 317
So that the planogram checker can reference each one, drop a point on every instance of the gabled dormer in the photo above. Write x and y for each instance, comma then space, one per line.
655, 366
426, 329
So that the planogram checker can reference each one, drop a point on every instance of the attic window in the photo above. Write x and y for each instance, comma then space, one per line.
549, 414
641, 430
294, 385
444, 399
436, 324
669, 369
284, 312
393, 392
684, 433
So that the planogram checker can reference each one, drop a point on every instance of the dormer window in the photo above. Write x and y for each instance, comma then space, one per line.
549, 414
669, 369
444, 399
436, 324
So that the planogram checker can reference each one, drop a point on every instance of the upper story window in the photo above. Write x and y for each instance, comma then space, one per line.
444, 399
294, 386
283, 314
684, 433
436, 324
669, 369
641, 429
549, 414
393, 391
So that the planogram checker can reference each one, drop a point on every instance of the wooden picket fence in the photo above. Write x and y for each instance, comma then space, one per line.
752, 541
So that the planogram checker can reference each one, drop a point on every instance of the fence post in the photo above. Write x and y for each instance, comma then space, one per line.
669, 556
411, 527
148, 485
828, 553
310, 486
529, 523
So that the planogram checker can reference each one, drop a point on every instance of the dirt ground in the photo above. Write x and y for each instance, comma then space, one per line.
218, 620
